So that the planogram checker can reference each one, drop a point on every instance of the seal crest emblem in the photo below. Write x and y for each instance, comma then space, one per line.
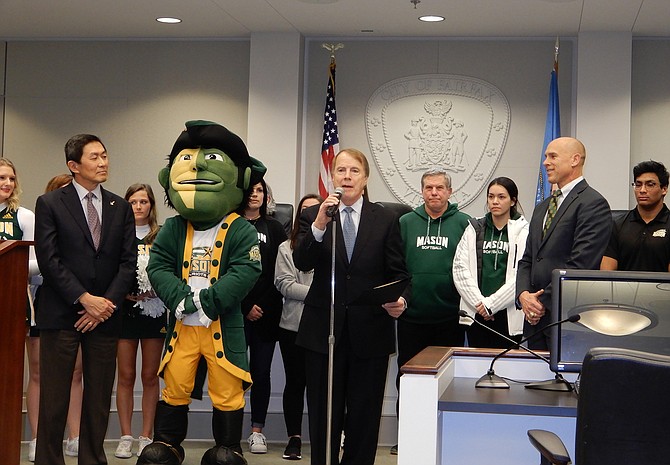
457, 123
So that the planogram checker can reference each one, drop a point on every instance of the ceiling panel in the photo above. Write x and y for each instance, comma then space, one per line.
653, 19
610, 15
104, 19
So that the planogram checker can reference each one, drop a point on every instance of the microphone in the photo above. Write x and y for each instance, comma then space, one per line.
333, 208
491, 380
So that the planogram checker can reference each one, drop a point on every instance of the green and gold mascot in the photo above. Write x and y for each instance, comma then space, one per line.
203, 262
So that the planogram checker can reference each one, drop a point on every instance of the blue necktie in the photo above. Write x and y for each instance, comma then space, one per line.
348, 231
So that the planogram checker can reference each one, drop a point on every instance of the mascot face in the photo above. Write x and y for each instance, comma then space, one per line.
202, 184
208, 172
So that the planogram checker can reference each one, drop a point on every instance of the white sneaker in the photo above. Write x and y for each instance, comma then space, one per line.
257, 443
72, 447
124, 449
31, 450
144, 442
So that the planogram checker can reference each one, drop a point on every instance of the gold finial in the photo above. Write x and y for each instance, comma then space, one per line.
332, 48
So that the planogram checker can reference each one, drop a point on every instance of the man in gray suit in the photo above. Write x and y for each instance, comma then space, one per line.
568, 230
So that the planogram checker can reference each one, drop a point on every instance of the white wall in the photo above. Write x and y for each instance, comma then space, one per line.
603, 110
650, 116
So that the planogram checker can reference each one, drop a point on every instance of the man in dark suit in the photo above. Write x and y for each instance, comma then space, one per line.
85, 245
568, 230
368, 253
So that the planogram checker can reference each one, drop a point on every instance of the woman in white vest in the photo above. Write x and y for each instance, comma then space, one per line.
485, 267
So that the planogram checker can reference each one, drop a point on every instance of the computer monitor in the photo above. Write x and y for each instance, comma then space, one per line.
632, 293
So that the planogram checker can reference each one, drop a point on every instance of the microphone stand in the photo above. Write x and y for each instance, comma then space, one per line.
558, 383
331, 346
491, 380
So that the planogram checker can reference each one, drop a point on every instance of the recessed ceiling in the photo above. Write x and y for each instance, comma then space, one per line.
133, 19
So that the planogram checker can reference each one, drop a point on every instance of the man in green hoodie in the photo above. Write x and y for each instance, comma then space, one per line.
430, 236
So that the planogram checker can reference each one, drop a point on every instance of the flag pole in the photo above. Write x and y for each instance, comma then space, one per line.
327, 153
330, 144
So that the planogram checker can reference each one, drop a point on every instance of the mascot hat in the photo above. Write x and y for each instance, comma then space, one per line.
210, 135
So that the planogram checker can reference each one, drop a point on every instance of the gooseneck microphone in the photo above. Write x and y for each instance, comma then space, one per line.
464, 314
491, 380
333, 208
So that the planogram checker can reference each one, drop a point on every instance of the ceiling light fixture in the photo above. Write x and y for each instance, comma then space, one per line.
168, 20
414, 2
431, 18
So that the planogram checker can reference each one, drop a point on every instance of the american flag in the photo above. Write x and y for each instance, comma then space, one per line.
331, 140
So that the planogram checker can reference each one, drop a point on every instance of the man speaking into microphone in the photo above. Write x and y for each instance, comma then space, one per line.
368, 253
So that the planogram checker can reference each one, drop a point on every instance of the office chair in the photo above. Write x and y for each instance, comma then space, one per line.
622, 413
618, 214
284, 214
398, 208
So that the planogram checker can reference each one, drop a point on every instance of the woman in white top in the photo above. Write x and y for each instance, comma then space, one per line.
144, 321
485, 267
293, 285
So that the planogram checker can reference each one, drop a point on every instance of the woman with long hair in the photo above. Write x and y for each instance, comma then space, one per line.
262, 310
293, 285
144, 320
485, 267
18, 223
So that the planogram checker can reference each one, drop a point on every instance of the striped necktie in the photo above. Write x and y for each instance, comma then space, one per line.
551, 210
93, 219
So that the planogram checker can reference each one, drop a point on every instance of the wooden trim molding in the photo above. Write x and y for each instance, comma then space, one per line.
431, 359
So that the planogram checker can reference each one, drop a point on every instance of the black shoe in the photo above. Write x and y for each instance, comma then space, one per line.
292, 451
394, 450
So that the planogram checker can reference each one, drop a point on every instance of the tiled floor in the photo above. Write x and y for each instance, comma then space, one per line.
195, 449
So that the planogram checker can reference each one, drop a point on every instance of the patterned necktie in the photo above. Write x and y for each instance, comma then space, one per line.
348, 231
93, 219
551, 211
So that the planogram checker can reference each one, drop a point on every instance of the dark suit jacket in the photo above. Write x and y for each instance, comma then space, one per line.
70, 264
576, 239
377, 259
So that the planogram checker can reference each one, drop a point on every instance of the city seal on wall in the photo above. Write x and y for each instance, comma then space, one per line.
453, 122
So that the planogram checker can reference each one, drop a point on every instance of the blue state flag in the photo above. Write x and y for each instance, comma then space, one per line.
552, 130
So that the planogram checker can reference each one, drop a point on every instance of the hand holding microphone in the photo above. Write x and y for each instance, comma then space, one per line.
332, 209
328, 209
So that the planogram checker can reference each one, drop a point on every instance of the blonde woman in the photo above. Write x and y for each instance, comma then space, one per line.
18, 223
